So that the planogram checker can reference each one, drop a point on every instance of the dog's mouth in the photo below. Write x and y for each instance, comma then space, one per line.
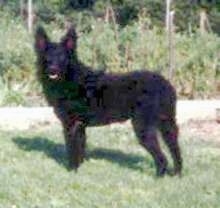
54, 76
54, 72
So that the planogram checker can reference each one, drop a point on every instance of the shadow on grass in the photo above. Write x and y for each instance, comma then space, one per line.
48, 147
131, 161
58, 153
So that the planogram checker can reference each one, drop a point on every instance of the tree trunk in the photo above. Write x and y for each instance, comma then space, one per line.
204, 22
171, 45
168, 3
30, 16
21, 8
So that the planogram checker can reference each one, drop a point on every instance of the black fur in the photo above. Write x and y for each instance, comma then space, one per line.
82, 97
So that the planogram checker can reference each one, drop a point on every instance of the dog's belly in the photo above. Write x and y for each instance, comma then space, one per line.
105, 117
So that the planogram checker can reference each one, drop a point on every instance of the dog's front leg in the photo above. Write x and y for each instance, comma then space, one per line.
75, 143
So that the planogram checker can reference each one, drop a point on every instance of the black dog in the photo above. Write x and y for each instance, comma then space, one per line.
82, 97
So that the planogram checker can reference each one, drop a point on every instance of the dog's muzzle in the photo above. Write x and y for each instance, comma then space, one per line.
54, 72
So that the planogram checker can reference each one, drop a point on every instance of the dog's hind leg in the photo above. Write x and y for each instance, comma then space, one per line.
169, 132
145, 126
75, 138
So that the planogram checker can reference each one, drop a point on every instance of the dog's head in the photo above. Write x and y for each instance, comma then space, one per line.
55, 57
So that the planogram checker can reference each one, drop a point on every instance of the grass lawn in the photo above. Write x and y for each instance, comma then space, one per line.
117, 173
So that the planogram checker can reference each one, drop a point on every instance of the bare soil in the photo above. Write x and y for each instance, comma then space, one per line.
203, 129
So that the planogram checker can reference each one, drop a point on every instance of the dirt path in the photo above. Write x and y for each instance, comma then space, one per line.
26, 118
203, 129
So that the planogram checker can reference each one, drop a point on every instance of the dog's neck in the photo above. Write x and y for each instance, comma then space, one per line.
74, 73
77, 70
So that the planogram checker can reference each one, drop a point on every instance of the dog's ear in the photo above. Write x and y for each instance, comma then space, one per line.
41, 39
69, 40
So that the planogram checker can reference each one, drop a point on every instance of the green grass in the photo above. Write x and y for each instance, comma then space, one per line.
117, 172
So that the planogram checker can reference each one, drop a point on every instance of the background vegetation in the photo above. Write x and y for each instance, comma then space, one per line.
130, 36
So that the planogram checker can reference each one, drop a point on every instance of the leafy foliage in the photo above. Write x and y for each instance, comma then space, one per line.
105, 44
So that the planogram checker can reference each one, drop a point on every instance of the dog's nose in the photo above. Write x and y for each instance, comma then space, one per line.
54, 67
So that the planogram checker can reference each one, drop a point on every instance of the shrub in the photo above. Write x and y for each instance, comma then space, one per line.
106, 45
